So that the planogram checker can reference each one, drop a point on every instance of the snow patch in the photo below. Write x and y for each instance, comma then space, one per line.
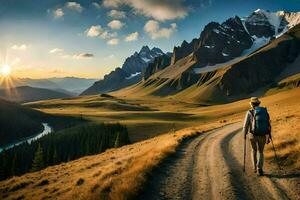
224, 54
209, 47
146, 59
210, 68
257, 43
133, 75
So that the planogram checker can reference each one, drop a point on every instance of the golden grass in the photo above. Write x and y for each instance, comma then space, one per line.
114, 174
120, 173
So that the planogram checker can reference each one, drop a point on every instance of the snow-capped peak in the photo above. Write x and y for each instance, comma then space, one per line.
259, 10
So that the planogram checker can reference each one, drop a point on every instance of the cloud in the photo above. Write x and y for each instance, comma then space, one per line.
114, 41
116, 14
83, 56
132, 37
21, 47
158, 9
111, 56
115, 24
96, 5
98, 31
111, 3
58, 13
74, 6
56, 50
153, 29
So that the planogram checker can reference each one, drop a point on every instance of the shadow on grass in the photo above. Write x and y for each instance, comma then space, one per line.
285, 176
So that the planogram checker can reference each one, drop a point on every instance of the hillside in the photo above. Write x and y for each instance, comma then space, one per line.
104, 174
27, 94
28, 122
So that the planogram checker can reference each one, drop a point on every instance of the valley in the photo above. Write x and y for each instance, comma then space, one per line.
161, 125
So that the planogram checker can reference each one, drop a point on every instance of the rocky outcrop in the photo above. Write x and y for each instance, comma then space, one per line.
183, 50
219, 43
261, 68
158, 64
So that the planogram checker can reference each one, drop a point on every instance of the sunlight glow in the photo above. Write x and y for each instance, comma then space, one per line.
5, 70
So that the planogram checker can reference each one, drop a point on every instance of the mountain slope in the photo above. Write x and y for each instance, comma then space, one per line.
27, 94
129, 74
226, 62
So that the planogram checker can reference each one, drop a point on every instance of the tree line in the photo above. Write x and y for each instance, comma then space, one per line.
62, 146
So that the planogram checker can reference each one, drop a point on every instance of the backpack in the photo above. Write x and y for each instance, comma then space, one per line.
260, 121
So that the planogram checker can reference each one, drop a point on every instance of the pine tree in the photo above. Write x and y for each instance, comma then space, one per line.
14, 166
55, 157
117, 141
38, 163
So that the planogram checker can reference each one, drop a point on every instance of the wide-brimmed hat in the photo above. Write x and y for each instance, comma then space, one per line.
254, 100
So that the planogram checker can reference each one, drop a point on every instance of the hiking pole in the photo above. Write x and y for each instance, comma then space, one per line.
244, 168
276, 158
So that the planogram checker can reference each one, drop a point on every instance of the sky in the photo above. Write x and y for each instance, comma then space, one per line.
83, 38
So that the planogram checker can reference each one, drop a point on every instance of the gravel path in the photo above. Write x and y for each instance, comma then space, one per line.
210, 167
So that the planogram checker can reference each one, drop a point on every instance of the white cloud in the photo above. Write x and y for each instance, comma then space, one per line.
111, 56
58, 13
116, 14
56, 50
153, 29
94, 31
21, 47
98, 31
115, 24
96, 5
158, 9
132, 37
74, 6
113, 41
111, 3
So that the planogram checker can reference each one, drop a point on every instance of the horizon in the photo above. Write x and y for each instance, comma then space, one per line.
88, 39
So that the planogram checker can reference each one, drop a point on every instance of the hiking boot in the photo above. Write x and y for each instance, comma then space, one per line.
260, 172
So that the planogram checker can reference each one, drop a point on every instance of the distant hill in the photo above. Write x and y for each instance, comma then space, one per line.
72, 84
69, 85
28, 94
129, 74
17, 121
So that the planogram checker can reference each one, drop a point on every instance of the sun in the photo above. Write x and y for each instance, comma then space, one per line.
5, 70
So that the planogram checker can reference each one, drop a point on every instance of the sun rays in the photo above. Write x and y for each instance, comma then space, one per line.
5, 70
7, 82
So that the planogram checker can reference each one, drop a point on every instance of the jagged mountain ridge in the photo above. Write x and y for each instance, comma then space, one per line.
129, 74
219, 43
194, 70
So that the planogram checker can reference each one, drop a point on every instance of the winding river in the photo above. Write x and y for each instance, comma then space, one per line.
47, 130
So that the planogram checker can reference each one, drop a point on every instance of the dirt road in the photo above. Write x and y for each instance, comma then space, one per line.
210, 167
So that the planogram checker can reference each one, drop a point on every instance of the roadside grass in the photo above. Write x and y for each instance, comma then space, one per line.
115, 174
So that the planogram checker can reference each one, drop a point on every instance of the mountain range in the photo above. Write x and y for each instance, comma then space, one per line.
228, 61
129, 74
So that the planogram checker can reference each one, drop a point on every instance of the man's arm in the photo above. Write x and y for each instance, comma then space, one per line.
246, 124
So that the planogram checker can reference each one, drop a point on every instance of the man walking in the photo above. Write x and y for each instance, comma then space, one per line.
257, 122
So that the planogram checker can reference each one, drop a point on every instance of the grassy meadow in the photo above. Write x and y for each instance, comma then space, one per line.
119, 173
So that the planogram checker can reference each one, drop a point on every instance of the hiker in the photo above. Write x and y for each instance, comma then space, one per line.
257, 122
